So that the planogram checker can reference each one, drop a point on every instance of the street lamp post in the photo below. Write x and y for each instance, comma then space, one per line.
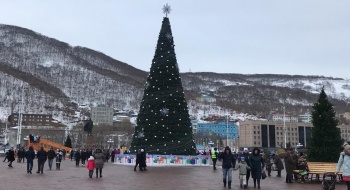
227, 131
284, 126
6, 131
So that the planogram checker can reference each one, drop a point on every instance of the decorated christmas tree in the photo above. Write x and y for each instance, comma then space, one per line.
163, 122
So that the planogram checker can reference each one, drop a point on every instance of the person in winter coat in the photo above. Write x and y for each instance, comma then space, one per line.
268, 163
242, 167
295, 158
11, 156
30, 155
289, 165
59, 157
83, 157
71, 155
50, 156
143, 160
19, 155
42, 156
344, 160
228, 160
91, 166
99, 161
113, 155
64, 152
245, 154
279, 164
106, 154
256, 165
214, 156
77, 157
138, 159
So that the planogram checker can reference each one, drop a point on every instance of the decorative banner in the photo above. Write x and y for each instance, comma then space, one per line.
164, 160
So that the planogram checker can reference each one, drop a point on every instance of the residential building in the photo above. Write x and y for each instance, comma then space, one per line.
305, 118
102, 115
270, 133
344, 132
219, 128
345, 115
31, 119
280, 117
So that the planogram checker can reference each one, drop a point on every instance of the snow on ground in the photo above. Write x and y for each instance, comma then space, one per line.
231, 83
339, 89
4, 113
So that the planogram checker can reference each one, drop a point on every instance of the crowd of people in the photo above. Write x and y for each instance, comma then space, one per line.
95, 159
250, 164
255, 164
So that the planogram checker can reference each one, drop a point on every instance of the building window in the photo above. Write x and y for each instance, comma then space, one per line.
254, 132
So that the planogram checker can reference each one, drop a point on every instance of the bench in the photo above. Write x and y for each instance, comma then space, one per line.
319, 168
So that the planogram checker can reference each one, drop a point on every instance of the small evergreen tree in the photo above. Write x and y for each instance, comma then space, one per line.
325, 143
68, 142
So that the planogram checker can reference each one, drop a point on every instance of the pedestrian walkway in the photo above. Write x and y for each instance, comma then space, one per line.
123, 177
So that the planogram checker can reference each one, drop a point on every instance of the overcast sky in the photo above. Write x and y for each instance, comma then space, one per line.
308, 37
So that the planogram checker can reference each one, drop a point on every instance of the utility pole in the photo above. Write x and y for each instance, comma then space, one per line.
19, 129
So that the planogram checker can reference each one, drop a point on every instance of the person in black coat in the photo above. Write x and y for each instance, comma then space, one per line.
257, 164
23, 155
138, 159
51, 154
143, 160
11, 156
83, 157
113, 155
42, 157
77, 158
30, 155
228, 160
71, 154
19, 155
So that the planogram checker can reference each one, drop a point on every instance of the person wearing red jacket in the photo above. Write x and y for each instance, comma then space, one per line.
91, 166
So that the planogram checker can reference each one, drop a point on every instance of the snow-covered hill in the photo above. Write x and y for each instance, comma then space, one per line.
66, 81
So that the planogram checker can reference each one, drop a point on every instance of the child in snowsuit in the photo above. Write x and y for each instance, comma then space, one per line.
243, 166
91, 166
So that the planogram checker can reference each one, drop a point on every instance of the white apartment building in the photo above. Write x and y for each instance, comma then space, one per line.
102, 115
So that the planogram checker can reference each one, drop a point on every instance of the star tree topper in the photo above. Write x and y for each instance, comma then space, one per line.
166, 10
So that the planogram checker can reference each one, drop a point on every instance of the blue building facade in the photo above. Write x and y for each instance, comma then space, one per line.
219, 129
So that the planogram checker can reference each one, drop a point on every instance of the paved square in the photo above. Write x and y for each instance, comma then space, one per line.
123, 177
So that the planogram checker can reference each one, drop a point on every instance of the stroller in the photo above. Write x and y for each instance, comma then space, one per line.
328, 182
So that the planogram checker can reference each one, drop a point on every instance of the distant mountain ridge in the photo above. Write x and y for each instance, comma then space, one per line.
58, 77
